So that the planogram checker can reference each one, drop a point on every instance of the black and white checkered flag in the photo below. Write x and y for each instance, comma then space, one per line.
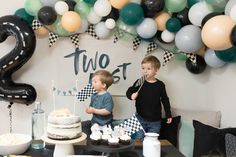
131, 125
117, 35
136, 42
91, 31
52, 38
151, 47
168, 55
192, 57
140, 81
86, 92
36, 24
75, 40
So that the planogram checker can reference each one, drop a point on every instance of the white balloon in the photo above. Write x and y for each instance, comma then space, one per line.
102, 7
229, 5
93, 18
212, 60
147, 28
101, 30
83, 26
233, 13
197, 12
110, 23
50, 3
61, 7
135, 1
167, 36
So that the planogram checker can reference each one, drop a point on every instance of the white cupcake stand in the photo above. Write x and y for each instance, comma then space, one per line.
64, 147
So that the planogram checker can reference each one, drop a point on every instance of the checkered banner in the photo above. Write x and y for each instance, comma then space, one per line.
118, 34
52, 38
192, 57
140, 81
151, 47
91, 31
75, 40
86, 92
168, 55
131, 125
136, 42
36, 24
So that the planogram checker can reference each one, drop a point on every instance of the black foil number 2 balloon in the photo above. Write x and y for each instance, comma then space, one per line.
25, 44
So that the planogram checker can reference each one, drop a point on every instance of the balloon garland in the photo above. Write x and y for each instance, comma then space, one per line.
196, 28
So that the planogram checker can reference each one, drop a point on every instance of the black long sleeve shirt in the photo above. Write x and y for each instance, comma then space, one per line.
150, 99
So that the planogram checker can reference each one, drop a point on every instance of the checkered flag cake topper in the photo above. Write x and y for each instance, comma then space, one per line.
131, 125
86, 92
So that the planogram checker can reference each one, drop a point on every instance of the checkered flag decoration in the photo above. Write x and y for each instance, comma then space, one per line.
118, 34
168, 55
36, 24
151, 47
192, 57
52, 38
140, 81
91, 31
131, 125
86, 92
136, 42
75, 40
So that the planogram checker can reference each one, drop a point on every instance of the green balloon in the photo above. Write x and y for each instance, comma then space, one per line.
24, 15
173, 25
192, 2
82, 8
127, 28
175, 6
217, 5
228, 55
32, 7
58, 29
90, 2
132, 14
181, 57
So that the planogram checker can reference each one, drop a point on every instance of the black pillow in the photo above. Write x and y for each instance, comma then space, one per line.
170, 131
208, 140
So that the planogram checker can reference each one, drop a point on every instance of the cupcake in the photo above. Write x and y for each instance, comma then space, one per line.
105, 138
125, 139
95, 138
113, 142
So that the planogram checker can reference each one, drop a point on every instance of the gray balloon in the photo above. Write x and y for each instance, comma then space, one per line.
188, 39
229, 6
212, 60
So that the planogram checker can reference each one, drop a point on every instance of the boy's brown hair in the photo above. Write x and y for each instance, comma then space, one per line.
105, 77
153, 60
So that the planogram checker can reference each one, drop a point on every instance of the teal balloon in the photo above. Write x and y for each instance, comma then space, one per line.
228, 55
173, 25
217, 5
192, 2
32, 7
175, 6
132, 14
24, 15
82, 8
90, 2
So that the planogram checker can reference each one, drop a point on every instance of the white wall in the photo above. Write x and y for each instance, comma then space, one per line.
212, 90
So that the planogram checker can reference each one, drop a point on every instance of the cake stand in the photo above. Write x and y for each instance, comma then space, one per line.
64, 147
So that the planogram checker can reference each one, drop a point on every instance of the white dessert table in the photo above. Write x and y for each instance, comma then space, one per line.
64, 148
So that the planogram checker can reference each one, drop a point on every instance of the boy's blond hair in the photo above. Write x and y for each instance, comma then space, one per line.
105, 77
153, 60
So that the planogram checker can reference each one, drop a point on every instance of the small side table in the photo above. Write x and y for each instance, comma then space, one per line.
64, 147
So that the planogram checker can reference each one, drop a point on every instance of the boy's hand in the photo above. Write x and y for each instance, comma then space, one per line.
90, 110
169, 120
134, 96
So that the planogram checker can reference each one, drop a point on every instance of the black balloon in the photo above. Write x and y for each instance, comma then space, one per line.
183, 17
15, 59
152, 7
47, 15
114, 14
71, 4
209, 16
233, 36
196, 68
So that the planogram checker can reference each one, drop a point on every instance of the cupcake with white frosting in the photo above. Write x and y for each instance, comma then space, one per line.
95, 138
125, 139
113, 142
